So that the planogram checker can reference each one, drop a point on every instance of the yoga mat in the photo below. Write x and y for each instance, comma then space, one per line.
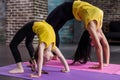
55, 74
111, 69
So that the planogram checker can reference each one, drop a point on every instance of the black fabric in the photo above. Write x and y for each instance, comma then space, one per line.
59, 16
114, 30
24, 32
114, 26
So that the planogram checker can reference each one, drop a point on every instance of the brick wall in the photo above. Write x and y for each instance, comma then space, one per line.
2, 21
19, 12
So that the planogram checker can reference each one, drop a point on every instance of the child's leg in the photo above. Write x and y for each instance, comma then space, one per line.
19, 36
18, 69
16, 54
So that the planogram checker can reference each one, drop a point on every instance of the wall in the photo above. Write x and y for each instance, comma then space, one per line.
2, 21
19, 12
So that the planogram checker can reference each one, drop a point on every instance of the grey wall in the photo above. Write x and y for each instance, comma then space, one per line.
2, 20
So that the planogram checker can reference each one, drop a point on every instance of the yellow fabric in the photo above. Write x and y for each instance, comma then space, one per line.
87, 12
45, 33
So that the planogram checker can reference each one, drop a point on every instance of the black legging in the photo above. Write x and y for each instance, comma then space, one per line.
24, 32
59, 16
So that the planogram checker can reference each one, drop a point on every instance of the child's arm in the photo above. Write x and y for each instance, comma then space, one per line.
41, 48
62, 59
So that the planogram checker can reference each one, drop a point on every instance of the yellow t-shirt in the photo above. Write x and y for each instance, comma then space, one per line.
45, 33
87, 12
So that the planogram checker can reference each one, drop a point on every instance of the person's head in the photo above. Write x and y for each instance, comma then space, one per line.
48, 55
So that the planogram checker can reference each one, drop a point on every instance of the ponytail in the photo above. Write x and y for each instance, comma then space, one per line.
82, 53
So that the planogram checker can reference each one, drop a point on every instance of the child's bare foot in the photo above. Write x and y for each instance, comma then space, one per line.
16, 70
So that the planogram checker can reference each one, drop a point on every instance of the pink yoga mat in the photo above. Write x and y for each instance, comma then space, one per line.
111, 69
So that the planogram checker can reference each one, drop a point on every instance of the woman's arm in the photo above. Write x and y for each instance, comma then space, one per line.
98, 48
106, 48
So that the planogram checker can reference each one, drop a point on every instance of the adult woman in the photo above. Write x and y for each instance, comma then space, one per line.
92, 18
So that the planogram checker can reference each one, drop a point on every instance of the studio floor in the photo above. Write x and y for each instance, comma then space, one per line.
67, 50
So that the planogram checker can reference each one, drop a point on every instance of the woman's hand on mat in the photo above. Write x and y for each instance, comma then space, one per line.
105, 64
65, 71
96, 66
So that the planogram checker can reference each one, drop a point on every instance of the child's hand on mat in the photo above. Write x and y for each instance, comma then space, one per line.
35, 75
65, 71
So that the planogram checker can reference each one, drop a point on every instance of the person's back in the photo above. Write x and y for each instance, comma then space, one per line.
60, 15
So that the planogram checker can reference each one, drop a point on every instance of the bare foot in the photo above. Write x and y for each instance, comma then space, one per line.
16, 70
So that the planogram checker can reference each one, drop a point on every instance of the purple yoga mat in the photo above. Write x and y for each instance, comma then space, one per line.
55, 74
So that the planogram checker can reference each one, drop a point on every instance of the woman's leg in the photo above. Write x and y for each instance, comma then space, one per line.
58, 17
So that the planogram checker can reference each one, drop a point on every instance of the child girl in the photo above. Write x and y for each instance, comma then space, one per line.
26, 32
46, 46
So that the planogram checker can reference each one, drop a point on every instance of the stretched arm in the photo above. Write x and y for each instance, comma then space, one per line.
106, 48
41, 48
62, 59
98, 48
